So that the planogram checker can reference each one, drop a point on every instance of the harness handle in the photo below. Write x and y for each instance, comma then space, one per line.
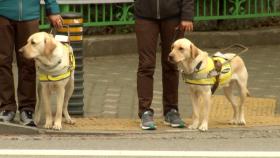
176, 34
218, 65
244, 48
68, 32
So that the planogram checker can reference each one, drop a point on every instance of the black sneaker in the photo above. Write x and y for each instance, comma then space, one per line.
173, 119
26, 118
147, 122
7, 116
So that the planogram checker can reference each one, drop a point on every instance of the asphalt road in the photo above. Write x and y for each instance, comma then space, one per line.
241, 142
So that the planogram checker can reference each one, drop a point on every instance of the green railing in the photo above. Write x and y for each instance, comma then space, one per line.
236, 9
98, 14
122, 13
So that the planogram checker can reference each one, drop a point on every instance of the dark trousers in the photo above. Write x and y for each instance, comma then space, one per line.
14, 35
147, 33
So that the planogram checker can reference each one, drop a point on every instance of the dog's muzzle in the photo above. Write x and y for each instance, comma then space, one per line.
171, 59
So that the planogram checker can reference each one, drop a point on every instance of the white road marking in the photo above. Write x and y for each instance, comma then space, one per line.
142, 153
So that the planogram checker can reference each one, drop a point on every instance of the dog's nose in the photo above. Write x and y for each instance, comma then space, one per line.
21, 49
170, 58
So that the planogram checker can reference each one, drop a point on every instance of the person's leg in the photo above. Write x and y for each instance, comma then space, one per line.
26, 68
147, 32
7, 91
170, 75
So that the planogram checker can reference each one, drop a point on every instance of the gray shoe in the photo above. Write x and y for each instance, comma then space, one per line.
173, 119
26, 118
147, 122
7, 116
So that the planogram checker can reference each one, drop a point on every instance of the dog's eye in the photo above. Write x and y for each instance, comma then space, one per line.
33, 42
181, 48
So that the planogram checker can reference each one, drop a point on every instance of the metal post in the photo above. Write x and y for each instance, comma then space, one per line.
75, 23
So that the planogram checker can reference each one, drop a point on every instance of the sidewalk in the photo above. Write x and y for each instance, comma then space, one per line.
110, 94
110, 83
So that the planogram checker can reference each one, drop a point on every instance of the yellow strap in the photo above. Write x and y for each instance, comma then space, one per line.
71, 56
44, 77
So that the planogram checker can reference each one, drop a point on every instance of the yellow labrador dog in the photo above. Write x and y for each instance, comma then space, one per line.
54, 63
200, 72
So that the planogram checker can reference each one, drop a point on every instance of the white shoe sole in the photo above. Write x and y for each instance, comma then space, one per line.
172, 125
148, 128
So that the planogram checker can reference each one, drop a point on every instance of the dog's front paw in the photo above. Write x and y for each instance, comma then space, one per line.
48, 125
233, 122
238, 121
193, 126
57, 126
70, 121
36, 120
241, 122
203, 128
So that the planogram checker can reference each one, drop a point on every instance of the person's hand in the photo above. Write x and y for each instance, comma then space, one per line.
56, 21
186, 26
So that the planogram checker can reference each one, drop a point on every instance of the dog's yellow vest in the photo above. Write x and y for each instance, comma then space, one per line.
224, 77
45, 77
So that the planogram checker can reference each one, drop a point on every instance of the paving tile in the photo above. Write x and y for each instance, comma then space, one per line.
116, 76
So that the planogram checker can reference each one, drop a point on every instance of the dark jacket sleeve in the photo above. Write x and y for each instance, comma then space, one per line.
187, 10
52, 7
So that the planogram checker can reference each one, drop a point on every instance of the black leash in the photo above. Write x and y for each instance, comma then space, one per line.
176, 34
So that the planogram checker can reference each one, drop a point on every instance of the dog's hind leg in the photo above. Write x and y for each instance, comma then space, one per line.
240, 74
243, 95
242, 83
229, 95
68, 94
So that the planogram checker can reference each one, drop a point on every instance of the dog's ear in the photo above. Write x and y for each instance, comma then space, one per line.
194, 51
49, 45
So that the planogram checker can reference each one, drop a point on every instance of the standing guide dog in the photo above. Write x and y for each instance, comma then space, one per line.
205, 74
55, 65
